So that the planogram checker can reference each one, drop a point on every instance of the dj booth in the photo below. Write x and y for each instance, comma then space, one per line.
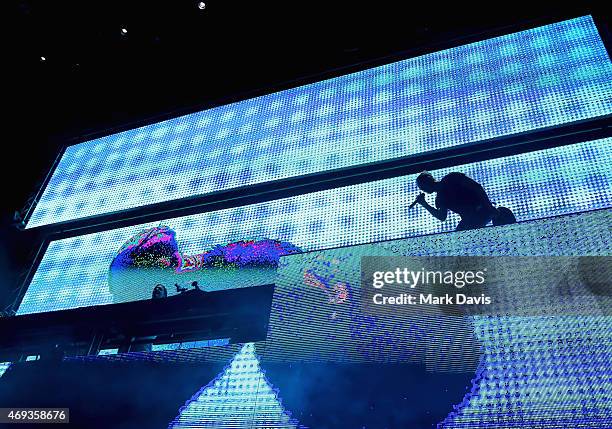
238, 314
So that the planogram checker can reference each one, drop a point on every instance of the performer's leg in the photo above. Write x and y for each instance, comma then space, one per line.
503, 216
475, 220
462, 225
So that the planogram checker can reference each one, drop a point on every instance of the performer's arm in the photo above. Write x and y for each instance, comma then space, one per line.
439, 213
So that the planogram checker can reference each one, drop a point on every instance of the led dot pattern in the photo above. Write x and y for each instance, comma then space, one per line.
570, 179
240, 397
549, 372
3, 367
515, 83
545, 371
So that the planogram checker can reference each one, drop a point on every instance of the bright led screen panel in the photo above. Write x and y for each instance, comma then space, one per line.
515, 83
75, 272
330, 362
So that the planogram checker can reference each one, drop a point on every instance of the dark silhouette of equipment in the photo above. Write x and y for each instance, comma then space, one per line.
195, 287
239, 314
180, 289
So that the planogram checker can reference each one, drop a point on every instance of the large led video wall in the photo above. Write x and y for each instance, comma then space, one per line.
515, 83
537, 370
80, 271
330, 361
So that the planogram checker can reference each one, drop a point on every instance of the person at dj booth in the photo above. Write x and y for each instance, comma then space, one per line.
462, 195
159, 291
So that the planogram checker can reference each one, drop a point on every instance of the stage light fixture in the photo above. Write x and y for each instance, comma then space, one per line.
123, 31
43, 59
201, 5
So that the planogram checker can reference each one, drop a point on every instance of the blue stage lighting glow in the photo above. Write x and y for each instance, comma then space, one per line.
569, 179
524, 81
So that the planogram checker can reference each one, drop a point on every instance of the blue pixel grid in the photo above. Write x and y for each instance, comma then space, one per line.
549, 371
570, 179
519, 82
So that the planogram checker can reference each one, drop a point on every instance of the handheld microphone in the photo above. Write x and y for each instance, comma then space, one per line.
414, 203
